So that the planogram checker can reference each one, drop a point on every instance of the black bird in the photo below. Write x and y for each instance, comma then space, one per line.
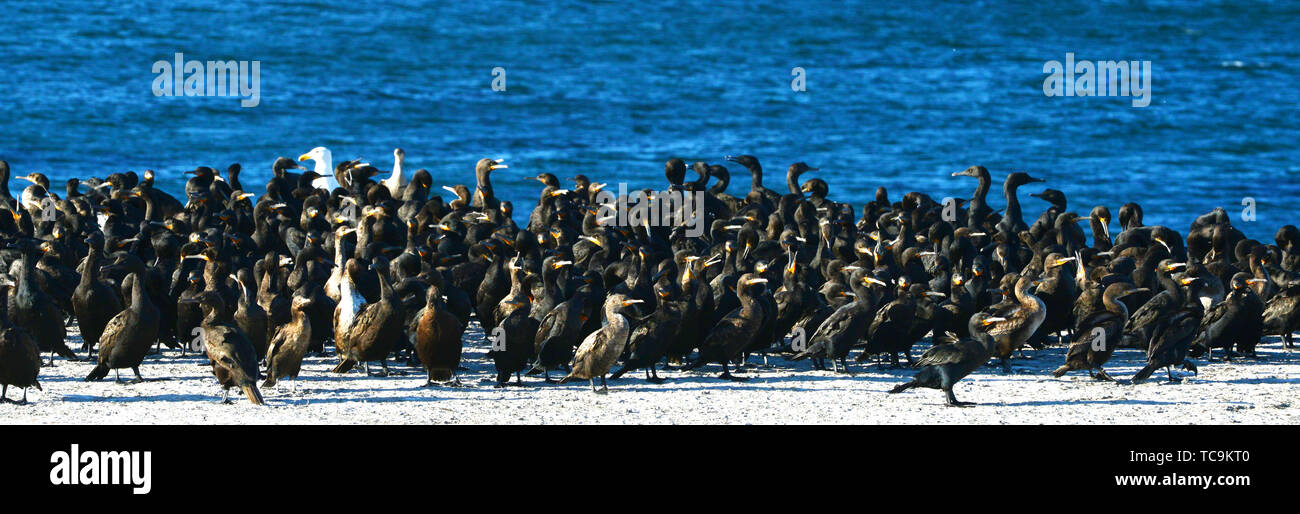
1236, 321
730, 335
234, 362
93, 302
560, 332
20, 360
842, 329
1282, 313
34, 311
127, 338
649, 341
249, 315
948, 361
1098, 335
512, 342
1173, 335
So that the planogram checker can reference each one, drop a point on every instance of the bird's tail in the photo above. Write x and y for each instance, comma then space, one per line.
100, 371
65, 352
811, 351
1145, 372
255, 396
903, 387
345, 366
1061, 371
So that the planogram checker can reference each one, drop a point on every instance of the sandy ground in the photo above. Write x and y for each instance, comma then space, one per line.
1244, 391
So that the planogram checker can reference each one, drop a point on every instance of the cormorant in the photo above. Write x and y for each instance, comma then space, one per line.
601, 348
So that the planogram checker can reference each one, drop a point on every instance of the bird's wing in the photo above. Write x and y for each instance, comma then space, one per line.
942, 354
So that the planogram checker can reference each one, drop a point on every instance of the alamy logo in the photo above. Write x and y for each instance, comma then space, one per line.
241, 79
1101, 78
76, 467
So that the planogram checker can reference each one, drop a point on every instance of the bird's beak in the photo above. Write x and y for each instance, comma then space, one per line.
632, 302
304, 157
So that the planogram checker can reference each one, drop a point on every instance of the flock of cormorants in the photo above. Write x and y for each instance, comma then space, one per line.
374, 266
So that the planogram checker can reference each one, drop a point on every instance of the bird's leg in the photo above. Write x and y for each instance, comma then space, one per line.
24, 400
117, 377
4, 393
604, 389
138, 379
946, 382
546, 374
844, 363
726, 374
654, 376
1172, 379
1102, 376
1006, 365
225, 396
592, 381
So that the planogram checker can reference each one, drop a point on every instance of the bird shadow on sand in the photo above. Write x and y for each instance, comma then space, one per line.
77, 398
1116, 401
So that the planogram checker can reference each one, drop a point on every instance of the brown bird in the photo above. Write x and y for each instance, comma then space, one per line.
289, 345
438, 339
600, 349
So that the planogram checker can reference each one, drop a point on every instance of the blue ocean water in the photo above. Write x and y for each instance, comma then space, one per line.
899, 94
